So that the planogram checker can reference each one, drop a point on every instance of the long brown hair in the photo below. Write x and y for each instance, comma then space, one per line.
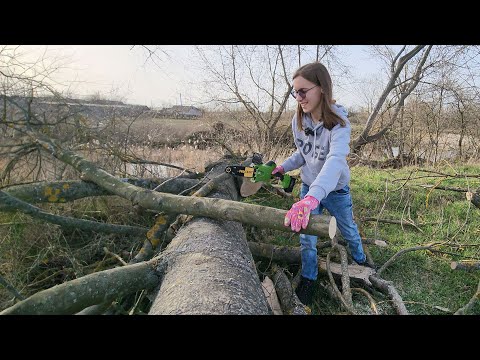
318, 74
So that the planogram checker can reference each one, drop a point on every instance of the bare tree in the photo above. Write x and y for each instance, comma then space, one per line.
430, 77
252, 84
397, 64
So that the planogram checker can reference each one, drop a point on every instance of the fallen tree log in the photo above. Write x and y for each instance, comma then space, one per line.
210, 268
210, 271
65, 191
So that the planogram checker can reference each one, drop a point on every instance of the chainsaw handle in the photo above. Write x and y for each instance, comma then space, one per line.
279, 175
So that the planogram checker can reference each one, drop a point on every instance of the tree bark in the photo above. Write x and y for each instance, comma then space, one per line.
291, 304
65, 191
210, 268
387, 288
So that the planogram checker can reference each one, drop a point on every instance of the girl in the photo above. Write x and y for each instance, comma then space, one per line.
321, 132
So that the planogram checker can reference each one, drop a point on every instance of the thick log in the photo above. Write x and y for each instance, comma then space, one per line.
210, 268
211, 271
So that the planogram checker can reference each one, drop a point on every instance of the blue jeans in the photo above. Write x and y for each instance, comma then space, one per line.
339, 204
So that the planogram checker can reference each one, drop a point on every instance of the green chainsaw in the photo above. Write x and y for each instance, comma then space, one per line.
262, 172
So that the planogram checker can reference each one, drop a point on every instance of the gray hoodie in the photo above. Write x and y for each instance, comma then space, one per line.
325, 168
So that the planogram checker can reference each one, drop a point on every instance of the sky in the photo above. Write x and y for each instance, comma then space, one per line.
123, 72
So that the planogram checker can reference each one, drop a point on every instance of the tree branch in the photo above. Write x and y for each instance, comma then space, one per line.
263, 216
75, 295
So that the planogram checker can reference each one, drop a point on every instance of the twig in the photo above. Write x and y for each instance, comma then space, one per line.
369, 297
401, 252
436, 307
135, 160
11, 288
469, 305
16, 223
347, 303
169, 179
447, 188
35, 282
389, 221
115, 255
142, 295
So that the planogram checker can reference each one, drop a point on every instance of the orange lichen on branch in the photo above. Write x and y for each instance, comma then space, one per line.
154, 232
53, 194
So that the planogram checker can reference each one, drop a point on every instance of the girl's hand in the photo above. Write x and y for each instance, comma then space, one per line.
299, 214
278, 169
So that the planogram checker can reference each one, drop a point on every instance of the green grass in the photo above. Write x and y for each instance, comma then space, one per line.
424, 279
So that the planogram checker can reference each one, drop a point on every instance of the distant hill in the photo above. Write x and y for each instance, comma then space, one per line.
94, 110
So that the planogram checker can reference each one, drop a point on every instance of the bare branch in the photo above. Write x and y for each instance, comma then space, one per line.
75, 295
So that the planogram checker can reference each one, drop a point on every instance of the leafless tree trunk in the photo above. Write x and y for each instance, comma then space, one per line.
397, 65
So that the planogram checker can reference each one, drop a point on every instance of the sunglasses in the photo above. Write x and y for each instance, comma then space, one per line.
302, 93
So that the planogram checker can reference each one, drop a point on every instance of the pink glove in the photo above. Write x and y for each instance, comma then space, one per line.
278, 169
299, 214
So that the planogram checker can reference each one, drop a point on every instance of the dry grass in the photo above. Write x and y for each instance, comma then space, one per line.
185, 156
